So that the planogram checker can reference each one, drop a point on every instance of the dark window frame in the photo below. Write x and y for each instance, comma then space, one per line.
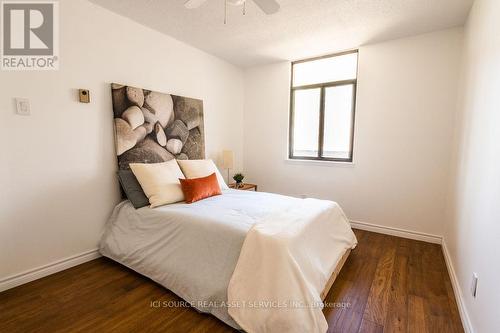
322, 87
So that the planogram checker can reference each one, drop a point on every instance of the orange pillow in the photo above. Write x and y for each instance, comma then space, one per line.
196, 189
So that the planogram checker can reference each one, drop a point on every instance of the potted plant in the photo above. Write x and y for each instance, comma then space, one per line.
238, 178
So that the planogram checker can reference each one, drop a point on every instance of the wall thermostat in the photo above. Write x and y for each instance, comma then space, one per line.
84, 95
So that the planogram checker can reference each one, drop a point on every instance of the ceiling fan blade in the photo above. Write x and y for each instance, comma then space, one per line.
268, 6
191, 4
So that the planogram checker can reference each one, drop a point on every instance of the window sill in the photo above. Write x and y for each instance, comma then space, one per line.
319, 162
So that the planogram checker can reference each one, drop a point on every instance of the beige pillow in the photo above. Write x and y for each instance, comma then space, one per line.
159, 181
201, 168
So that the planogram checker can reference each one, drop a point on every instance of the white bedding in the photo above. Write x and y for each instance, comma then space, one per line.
289, 247
284, 265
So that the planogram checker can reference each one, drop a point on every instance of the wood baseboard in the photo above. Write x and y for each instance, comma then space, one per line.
397, 232
464, 315
45, 270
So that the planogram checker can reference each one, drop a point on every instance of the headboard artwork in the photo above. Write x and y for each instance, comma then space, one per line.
154, 127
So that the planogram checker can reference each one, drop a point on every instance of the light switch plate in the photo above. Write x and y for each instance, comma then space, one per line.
23, 106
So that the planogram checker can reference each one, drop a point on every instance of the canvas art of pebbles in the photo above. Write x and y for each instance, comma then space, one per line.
154, 127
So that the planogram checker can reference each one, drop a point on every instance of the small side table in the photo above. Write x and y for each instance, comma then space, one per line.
244, 187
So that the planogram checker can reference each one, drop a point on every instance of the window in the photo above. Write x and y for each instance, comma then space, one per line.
323, 99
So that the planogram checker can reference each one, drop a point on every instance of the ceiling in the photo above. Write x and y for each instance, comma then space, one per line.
301, 29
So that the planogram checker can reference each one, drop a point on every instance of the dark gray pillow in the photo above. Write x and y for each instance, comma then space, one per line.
132, 188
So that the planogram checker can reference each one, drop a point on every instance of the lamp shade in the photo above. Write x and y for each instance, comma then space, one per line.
227, 159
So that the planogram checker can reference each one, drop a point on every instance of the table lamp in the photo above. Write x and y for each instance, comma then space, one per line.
227, 161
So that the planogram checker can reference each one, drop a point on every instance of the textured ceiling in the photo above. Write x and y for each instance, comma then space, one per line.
301, 29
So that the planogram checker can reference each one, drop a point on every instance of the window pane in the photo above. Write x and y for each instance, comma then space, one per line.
306, 122
331, 69
338, 121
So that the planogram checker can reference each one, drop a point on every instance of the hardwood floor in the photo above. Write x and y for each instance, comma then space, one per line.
388, 284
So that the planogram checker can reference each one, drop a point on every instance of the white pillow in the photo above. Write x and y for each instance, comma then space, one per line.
159, 181
201, 168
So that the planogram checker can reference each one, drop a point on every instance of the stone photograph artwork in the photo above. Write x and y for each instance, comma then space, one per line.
154, 127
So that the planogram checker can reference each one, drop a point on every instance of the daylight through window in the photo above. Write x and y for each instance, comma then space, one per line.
323, 98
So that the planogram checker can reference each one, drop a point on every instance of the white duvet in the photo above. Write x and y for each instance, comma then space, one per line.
229, 254
284, 265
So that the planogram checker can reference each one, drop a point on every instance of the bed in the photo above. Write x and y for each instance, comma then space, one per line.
228, 253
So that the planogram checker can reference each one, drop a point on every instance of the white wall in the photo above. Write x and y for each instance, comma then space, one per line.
405, 108
58, 183
473, 233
